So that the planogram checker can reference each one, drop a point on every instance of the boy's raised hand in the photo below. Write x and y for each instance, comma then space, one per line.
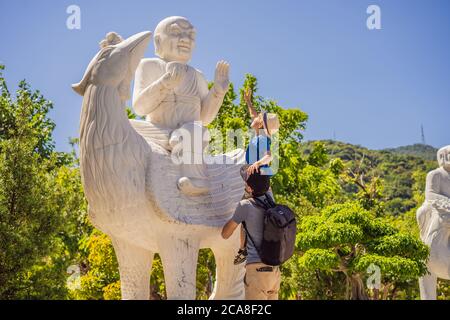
253, 168
248, 100
248, 95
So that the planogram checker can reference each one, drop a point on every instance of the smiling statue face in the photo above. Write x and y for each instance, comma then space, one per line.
444, 157
175, 39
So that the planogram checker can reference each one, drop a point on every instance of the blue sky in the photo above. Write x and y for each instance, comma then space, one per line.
369, 87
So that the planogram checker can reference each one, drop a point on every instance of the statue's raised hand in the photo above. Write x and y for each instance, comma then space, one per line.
222, 77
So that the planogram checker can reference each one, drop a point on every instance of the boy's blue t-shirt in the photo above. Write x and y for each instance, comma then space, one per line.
263, 143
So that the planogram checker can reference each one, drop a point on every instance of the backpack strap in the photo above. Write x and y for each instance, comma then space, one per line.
270, 200
247, 234
265, 204
260, 203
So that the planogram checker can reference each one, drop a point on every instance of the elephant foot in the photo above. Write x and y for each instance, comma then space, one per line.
188, 187
134, 267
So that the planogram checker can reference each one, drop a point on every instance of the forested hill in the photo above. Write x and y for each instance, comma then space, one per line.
402, 170
420, 150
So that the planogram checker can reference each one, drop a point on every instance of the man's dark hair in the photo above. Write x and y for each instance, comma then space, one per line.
259, 183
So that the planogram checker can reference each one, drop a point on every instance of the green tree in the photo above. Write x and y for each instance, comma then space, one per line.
39, 204
42, 207
347, 239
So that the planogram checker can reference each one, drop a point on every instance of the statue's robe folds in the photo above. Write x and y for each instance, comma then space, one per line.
168, 108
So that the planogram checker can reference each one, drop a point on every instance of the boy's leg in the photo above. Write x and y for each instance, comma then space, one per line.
241, 256
242, 238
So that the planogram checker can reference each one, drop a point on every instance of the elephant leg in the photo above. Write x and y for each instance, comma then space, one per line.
134, 267
179, 258
428, 286
229, 277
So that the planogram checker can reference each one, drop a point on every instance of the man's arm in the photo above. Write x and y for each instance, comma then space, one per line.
229, 228
240, 214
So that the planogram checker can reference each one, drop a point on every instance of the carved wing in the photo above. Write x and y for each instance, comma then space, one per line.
212, 209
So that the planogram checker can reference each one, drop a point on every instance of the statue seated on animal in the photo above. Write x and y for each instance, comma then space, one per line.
173, 95
130, 184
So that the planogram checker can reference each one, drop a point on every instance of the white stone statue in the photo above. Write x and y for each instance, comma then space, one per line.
130, 180
173, 95
434, 223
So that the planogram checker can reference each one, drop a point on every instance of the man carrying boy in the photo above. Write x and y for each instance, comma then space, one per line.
262, 282
258, 154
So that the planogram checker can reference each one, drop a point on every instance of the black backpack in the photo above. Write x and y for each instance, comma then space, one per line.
279, 232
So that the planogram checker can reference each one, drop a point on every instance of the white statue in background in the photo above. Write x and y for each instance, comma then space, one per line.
434, 223
173, 95
130, 180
